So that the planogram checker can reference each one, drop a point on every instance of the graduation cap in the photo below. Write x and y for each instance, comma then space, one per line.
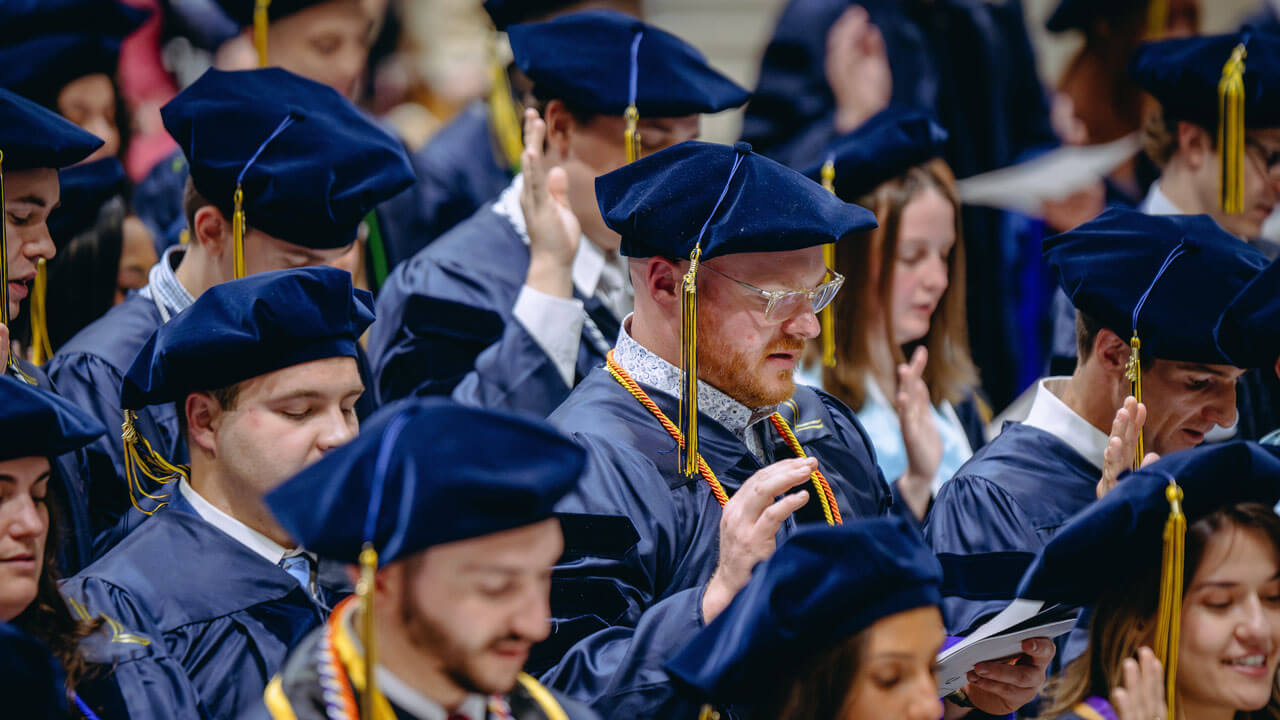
40, 68
387, 494
504, 13
1223, 82
84, 190
697, 201
32, 137
821, 587
1079, 14
1163, 280
37, 423
33, 682
292, 157
891, 142
1144, 518
235, 331
1249, 330
26, 19
606, 62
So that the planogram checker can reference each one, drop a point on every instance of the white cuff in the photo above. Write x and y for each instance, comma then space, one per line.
555, 324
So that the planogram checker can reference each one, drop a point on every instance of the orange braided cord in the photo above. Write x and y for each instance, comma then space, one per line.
830, 510
639, 394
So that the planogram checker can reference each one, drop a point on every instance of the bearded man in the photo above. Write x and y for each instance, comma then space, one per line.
658, 542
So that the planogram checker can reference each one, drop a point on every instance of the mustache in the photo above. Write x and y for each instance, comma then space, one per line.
785, 345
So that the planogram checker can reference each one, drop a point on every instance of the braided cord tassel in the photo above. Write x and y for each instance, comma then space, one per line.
1168, 618
237, 232
688, 420
1133, 372
827, 316
41, 346
260, 22
827, 499
1231, 132
139, 456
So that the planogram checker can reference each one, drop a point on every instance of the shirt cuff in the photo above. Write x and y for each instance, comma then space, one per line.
555, 324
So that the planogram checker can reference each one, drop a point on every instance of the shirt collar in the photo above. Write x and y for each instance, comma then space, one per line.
1157, 203
269, 549
162, 282
1050, 414
645, 366
591, 265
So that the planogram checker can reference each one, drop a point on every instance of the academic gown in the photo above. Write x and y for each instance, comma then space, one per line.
223, 613
301, 696
1000, 509
70, 483
459, 170
483, 360
641, 539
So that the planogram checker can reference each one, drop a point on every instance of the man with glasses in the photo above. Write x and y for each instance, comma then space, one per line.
661, 534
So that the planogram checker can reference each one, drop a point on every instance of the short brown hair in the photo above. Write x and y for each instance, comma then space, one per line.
1087, 330
819, 687
1160, 135
192, 201
950, 373
226, 398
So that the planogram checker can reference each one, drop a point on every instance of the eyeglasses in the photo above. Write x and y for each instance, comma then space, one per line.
1270, 159
785, 304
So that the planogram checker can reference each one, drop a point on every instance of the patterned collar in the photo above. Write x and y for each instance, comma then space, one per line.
163, 286
647, 368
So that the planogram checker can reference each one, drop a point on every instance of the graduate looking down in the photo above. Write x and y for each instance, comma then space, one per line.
662, 534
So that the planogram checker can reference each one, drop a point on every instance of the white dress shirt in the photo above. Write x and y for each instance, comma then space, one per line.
1050, 414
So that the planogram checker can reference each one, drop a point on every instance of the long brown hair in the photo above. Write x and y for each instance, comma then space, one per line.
866, 260
47, 617
1124, 617
817, 688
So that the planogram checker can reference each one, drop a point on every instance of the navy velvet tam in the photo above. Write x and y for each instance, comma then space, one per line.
84, 189
38, 69
504, 13
1113, 539
426, 472
599, 61
1184, 73
884, 147
37, 423
33, 137
310, 164
1249, 330
26, 19
241, 11
821, 587
1167, 277
245, 328
746, 202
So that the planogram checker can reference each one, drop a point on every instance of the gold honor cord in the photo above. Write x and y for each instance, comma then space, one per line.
1168, 617
364, 591
237, 233
1231, 131
4, 271
1133, 373
260, 22
827, 316
41, 345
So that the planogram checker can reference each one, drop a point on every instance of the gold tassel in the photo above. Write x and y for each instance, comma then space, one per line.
506, 118
260, 22
708, 713
1231, 132
1169, 615
1157, 18
1133, 372
827, 317
631, 136
41, 345
237, 233
688, 462
364, 591
139, 456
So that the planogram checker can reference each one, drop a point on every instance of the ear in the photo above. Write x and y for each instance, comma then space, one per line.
560, 126
1278, 367
1194, 144
203, 414
1111, 351
662, 278
212, 231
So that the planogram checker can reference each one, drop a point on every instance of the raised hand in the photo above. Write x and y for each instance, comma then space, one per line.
1123, 444
1142, 695
919, 433
749, 527
857, 69
554, 231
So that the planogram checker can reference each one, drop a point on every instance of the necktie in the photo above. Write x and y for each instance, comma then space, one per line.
299, 566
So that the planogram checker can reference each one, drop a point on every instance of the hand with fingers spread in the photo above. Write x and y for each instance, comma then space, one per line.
554, 231
999, 688
919, 433
1123, 444
857, 69
1142, 696
749, 527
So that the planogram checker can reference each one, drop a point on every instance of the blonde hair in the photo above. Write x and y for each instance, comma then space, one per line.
866, 260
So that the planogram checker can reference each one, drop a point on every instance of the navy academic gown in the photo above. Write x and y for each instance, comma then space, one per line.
999, 509
479, 352
641, 539
224, 614
459, 170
